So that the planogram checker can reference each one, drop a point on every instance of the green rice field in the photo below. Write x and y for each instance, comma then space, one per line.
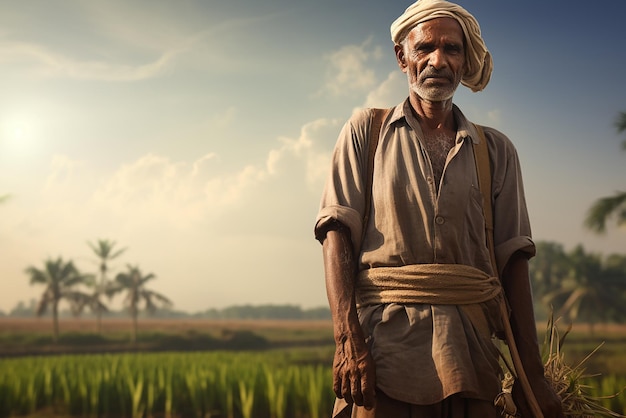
293, 382
277, 384
273, 384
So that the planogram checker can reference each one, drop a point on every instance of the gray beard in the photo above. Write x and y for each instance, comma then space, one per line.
433, 94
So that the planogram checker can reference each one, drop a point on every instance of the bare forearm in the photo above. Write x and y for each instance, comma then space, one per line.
340, 269
515, 281
354, 374
516, 285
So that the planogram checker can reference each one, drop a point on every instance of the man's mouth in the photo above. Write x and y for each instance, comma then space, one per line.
437, 79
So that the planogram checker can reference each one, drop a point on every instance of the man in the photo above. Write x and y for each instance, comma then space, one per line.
406, 347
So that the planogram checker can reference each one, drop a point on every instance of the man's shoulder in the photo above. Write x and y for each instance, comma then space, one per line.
499, 143
361, 116
493, 132
364, 114
497, 136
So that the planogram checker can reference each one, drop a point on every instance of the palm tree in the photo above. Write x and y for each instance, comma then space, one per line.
133, 282
548, 268
615, 272
547, 271
607, 207
104, 251
60, 279
591, 291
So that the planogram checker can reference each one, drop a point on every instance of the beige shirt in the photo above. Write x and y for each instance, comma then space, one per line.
424, 353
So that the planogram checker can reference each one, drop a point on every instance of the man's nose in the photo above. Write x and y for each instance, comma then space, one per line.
437, 59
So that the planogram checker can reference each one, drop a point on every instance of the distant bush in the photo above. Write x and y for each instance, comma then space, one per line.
244, 340
189, 342
266, 312
82, 338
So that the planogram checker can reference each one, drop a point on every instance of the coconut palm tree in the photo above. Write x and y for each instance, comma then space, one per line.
548, 268
103, 249
60, 279
615, 272
592, 291
610, 206
547, 271
133, 283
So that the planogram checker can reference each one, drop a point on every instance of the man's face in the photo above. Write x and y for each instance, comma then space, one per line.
433, 57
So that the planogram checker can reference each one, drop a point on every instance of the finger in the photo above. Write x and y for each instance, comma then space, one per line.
337, 385
346, 392
355, 383
338, 367
368, 391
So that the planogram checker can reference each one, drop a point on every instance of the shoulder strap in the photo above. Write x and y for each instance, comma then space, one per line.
376, 122
483, 170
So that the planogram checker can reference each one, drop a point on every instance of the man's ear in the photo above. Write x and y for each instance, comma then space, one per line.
400, 57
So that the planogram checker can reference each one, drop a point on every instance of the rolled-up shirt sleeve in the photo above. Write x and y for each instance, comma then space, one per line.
343, 199
512, 231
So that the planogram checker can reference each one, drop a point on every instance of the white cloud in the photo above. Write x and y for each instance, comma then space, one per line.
494, 116
390, 92
308, 150
349, 69
155, 191
224, 118
49, 63
188, 222
126, 42
62, 172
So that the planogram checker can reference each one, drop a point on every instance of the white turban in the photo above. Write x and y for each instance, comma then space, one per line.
478, 59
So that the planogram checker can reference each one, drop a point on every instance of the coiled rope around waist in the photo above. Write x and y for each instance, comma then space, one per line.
434, 284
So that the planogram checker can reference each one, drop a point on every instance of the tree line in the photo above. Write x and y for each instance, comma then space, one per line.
578, 285
63, 281
266, 312
583, 285
247, 311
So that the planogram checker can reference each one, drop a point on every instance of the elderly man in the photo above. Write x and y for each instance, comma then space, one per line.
410, 279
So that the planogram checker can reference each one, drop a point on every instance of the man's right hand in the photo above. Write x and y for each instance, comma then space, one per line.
354, 374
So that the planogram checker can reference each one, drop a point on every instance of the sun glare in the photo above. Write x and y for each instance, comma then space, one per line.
18, 133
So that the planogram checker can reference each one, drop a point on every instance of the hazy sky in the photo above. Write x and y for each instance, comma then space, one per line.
198, 133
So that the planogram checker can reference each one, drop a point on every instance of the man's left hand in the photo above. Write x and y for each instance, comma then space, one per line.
547, 398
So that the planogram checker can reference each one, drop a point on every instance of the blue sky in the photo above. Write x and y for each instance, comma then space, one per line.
198, 133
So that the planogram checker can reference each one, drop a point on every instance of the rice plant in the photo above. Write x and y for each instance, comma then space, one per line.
234, 385
571, 383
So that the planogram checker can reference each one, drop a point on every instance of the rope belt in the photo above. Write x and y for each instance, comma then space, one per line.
433, 284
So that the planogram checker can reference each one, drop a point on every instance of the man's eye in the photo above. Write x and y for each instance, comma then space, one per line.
423, 50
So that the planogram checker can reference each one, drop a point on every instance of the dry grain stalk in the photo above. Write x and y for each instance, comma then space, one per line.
567, 381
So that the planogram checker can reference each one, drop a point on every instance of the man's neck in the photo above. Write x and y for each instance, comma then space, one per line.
433, 116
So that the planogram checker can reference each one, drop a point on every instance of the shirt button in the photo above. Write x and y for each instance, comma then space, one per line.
439, 220
429, 180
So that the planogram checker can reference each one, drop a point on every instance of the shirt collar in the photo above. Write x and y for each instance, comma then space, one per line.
465, 129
